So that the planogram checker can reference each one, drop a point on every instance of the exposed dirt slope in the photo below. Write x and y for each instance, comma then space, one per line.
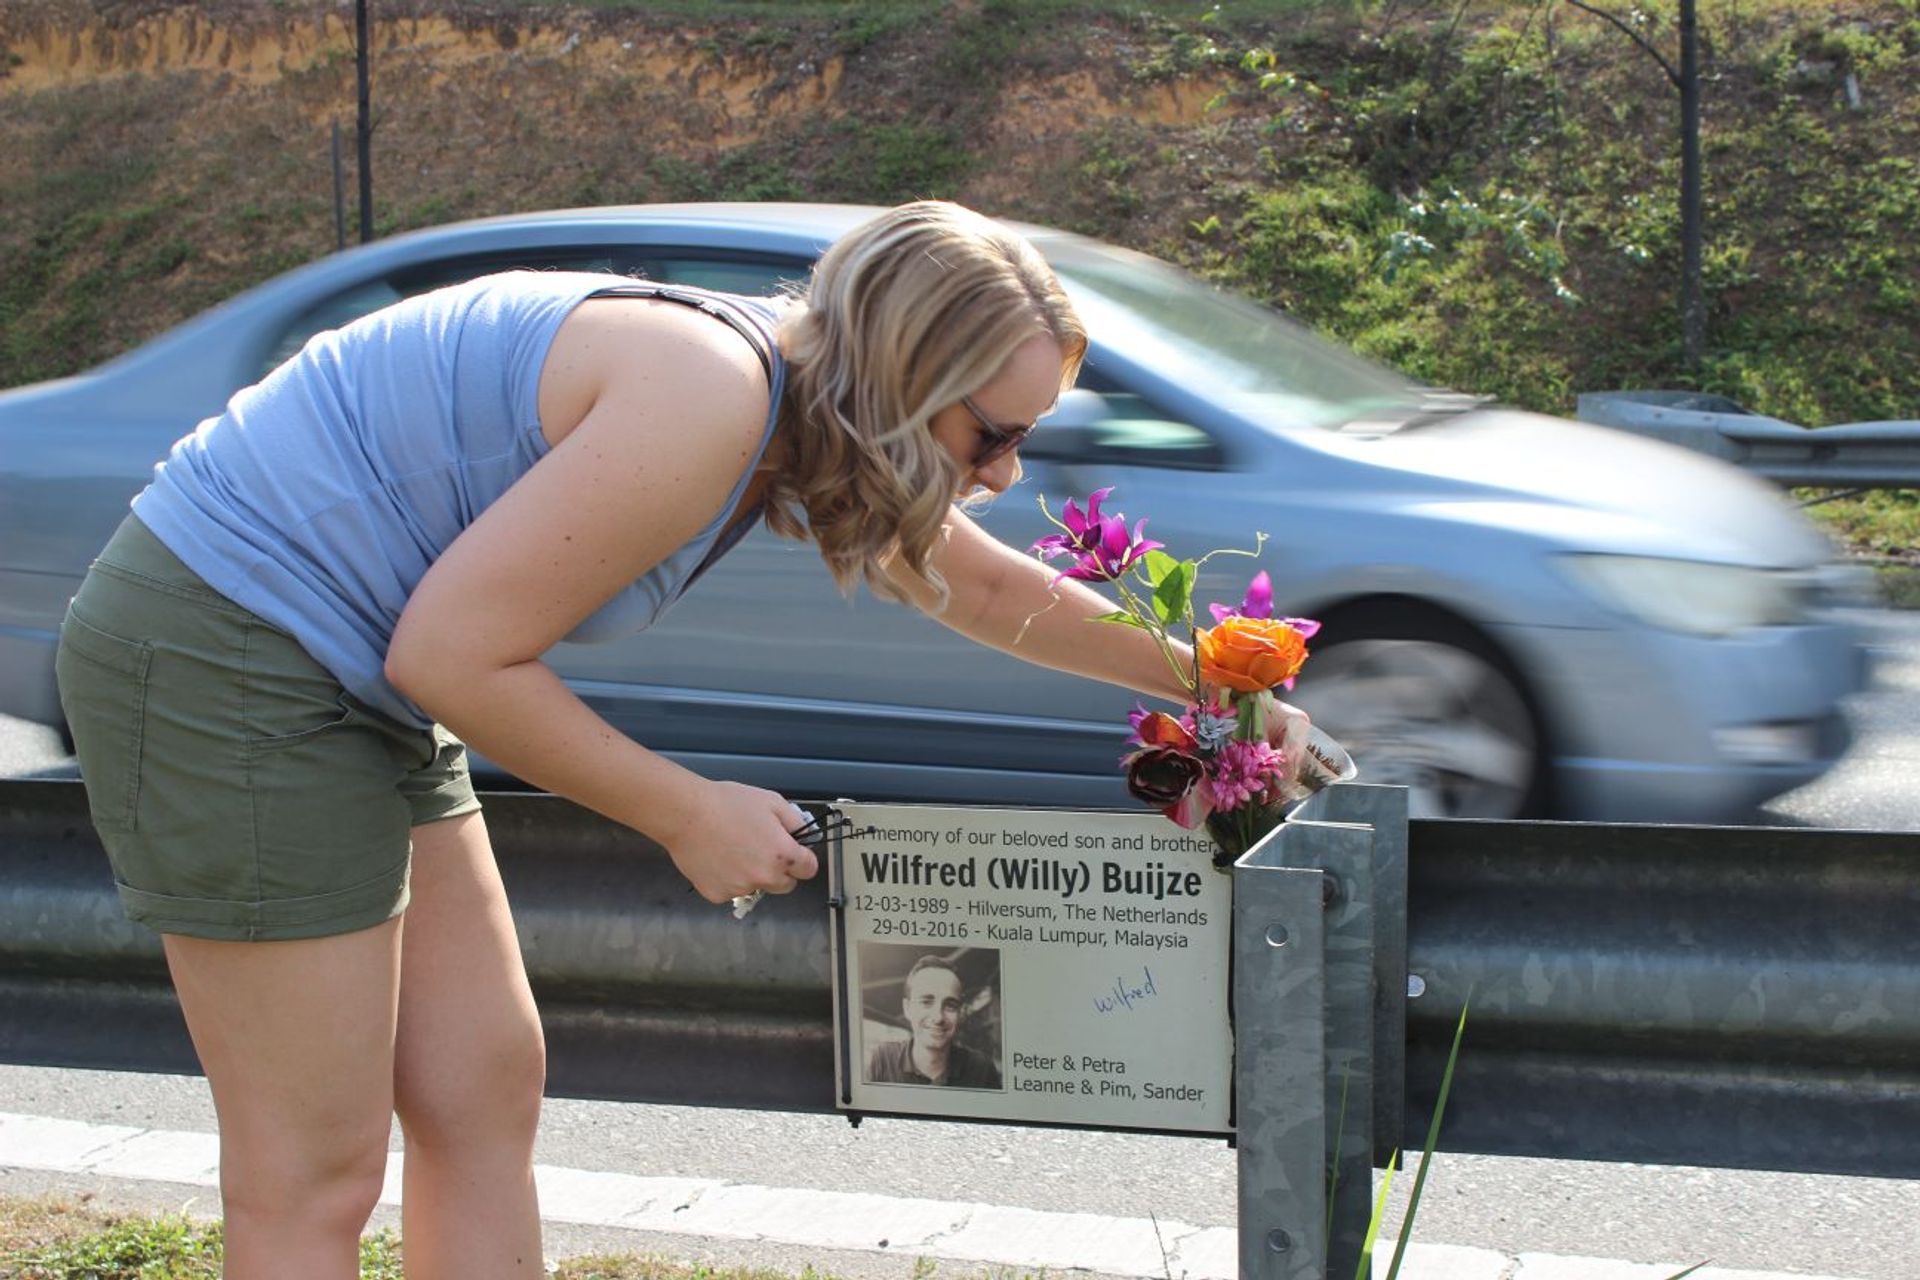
1487, 202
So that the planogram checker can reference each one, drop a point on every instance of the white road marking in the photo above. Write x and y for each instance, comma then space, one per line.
950, 1230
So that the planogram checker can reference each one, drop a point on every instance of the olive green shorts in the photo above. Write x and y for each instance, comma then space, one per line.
240, 792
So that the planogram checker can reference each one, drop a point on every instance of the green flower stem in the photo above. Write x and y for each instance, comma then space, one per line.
1152, 626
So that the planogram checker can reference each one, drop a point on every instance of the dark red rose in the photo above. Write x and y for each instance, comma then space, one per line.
1161, 776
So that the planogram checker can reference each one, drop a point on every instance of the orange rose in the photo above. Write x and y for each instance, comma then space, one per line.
1250, 655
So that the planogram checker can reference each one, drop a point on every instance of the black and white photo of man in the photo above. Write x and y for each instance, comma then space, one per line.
934, 1001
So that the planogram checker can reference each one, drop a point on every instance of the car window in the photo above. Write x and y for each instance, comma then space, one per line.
340, 309
755, 277
1106, 423
1246, 357
369, 296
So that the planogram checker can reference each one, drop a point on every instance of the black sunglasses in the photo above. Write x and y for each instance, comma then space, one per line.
1000, 440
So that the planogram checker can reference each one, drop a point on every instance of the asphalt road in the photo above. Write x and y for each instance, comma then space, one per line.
1861, 1228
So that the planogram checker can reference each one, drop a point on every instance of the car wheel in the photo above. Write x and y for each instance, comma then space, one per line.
1424, 701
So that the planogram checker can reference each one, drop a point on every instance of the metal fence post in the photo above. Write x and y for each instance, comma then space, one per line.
1279, 994
1344, 852
1385, 810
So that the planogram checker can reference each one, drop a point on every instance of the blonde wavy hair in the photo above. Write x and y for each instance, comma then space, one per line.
902, 317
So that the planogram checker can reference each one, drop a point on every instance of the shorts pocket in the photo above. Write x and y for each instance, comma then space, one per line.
103, 691
321, 720
287, 698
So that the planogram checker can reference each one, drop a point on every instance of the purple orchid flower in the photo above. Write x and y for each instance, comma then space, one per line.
1258, 603
1102, 547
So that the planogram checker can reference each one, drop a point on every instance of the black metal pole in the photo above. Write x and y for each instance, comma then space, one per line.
1693, 307
1686, 78
365, 123
339, 194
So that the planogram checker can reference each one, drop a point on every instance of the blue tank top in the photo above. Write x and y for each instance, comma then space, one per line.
322, 494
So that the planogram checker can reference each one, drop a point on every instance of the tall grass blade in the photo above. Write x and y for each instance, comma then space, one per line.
1333, 1170
1433, 1139
1365, 1268
1682, 1275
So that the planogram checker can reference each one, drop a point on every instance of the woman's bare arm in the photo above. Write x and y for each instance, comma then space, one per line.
1008, 600
670, 407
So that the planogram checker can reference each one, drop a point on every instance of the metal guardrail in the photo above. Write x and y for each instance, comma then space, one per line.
647, 993
1732, 997
1869, 455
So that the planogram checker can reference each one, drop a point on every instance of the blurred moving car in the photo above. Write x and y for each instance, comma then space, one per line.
1523, 615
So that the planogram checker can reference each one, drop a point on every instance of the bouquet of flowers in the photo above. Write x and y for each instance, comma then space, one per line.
1225, 763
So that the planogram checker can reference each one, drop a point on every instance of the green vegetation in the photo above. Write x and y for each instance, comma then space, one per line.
46, 1239
895, 13
1882, 526
1494, 207
1481, 193
68, 1244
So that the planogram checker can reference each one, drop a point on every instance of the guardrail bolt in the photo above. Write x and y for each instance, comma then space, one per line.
1276, 935
1279, 1241
1416, 986
1329, 891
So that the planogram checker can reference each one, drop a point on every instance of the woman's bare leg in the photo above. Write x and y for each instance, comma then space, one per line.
297, 1040
469, 1067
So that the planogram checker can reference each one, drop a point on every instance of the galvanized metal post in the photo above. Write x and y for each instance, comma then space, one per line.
1279, 995
1344, 852
1385, 810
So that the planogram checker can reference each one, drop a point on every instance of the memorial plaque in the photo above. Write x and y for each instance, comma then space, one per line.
1031, 965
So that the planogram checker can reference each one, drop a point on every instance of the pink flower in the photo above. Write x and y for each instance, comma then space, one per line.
1243, 772
1101, 545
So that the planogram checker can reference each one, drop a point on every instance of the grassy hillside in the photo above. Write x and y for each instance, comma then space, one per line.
1482, 193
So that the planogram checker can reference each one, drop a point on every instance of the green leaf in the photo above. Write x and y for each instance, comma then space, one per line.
1173, 593
1122, 617
1333, 1166
1433, 1140
1157, 565
1365, 1269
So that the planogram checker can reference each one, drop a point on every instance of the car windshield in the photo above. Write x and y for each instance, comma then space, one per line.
1249, 358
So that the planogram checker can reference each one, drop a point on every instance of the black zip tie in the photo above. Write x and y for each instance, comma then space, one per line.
814, 832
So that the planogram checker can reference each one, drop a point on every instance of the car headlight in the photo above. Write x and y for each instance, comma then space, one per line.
1695, 597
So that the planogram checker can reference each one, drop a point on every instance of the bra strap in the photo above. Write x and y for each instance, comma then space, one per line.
703, 302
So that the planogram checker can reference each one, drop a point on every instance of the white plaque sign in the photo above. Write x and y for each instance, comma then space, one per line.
1029, 965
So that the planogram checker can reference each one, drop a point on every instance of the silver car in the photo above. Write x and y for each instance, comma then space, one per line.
1522, 615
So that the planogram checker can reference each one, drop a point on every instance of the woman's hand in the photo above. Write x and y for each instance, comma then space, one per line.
1287, 728
739, 844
